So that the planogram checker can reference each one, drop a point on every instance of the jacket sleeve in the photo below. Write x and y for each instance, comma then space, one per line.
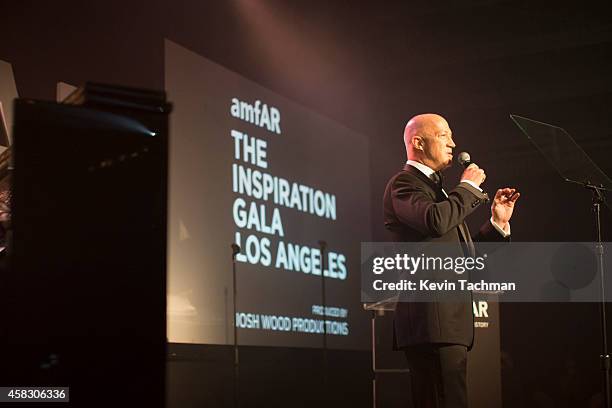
488, 233
415, 206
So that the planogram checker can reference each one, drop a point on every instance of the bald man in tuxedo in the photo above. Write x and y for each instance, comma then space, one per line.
436, 336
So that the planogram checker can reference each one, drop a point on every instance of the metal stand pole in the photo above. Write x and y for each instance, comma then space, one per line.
323, 246
373, 327
604, 357
235, 251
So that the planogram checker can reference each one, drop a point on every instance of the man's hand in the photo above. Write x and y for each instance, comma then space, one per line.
474, 174
503, 205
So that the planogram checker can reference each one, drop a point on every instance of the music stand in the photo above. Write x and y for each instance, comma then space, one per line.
576, 167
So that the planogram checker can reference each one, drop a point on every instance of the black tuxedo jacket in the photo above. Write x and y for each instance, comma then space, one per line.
416, 210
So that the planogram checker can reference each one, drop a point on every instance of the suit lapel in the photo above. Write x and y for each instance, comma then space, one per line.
467, 239
464, 233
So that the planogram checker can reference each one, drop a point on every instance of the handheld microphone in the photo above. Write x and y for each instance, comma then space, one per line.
464, 159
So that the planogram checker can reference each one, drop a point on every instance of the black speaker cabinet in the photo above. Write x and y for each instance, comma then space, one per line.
83, 298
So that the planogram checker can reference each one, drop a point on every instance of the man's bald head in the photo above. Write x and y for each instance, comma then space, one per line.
429, 140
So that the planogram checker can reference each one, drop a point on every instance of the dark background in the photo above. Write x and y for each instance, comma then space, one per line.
371, 66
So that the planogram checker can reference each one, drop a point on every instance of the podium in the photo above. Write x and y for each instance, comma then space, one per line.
380, 309
484, 360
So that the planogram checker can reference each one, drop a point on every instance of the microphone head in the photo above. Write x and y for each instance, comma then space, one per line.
464, 159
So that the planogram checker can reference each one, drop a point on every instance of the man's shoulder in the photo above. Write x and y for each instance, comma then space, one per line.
404, 182
407, 175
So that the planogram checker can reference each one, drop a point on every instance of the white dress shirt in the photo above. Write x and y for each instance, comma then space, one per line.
429, 172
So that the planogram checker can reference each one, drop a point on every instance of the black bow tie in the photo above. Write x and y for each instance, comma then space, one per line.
438, 179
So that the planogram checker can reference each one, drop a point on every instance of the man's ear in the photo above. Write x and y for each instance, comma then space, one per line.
417, 142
